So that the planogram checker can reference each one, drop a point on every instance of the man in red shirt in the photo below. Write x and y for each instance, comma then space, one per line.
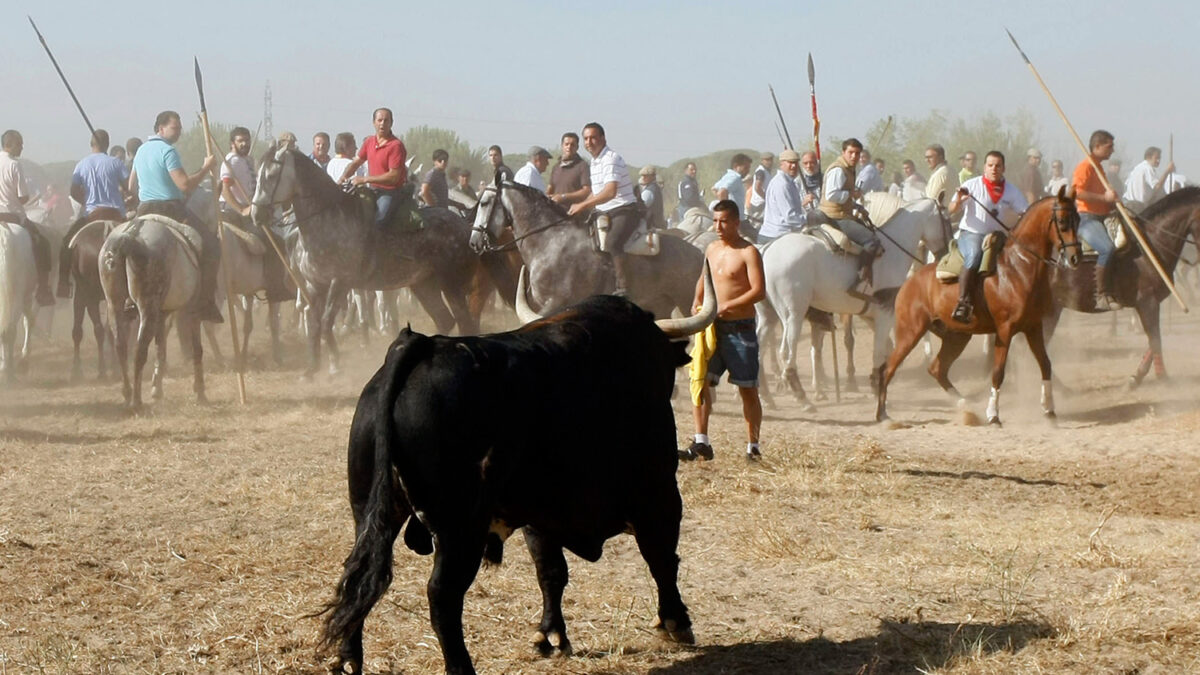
384, 155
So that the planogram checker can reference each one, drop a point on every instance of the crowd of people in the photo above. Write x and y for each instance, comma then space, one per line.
148, 178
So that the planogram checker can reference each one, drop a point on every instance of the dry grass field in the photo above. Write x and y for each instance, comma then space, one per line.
199, 538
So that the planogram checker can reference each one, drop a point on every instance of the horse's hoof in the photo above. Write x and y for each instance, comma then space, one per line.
156, 393
1134, 382
1051, 418
851, 387
808, 407
306, 376
995, 421
820, 396
201, 399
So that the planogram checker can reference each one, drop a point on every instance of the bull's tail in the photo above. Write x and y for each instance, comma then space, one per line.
368, 569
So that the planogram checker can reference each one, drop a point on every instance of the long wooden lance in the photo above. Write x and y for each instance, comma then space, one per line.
64, 79
882, 135
1171, 160
812, 94
208, 144
1125, 215
780, 134
780, 114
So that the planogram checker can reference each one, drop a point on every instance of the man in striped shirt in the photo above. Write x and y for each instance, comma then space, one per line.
612, 196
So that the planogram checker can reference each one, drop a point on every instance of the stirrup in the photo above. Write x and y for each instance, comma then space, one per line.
963, 312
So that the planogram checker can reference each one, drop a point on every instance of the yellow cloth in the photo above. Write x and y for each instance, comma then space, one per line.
702, 351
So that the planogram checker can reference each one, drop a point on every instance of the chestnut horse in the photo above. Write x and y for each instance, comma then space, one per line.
1014, 300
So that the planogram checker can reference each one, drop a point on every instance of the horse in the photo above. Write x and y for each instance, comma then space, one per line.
1014, 300
153, 263
802, 272
85, 274
1166, 225
340, 248
18, 278
563, 266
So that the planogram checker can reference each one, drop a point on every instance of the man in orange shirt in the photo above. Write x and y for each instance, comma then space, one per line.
1095, 203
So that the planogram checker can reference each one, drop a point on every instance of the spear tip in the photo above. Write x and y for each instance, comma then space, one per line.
1014, 41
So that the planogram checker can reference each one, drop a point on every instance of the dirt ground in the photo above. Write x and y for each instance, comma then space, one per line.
198, 538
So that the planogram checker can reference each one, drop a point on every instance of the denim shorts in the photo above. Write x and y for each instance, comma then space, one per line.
737, 352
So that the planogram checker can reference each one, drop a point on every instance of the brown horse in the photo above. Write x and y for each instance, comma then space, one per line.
1013, 300
1166, 225
85, 272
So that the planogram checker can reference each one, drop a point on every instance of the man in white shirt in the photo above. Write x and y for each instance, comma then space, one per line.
237, 178
991, 204
758, 187
14, 194
612, 196
941, 183
531, 173
1145, 184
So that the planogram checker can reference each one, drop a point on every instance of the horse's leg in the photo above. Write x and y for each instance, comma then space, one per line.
460, 308
1148, 313
98, 330
273, 310
123, 324
313, 315
160, 359
1037, 345
909, 330
1002, 343
333, 305
31, 313
953, 345
150, 325
430, 297
817, 352
77, 336
848, 343
367, 314
197, 363
247, 325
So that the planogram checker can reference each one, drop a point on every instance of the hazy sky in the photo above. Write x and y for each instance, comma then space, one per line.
667, 79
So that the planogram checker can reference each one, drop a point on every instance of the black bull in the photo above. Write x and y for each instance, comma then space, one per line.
563, 427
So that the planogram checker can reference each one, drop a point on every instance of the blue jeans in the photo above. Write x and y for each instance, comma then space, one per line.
737, 352
1092, 230
385, 205
970, 245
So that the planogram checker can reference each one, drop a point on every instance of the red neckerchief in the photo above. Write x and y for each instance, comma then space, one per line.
995, 190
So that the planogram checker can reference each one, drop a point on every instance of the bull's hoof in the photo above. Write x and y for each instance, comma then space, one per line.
670, 630
346, 667
542, 642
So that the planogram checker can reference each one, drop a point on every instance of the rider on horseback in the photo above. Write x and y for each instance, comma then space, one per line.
988, 201
612, 196
1095, 203
13, 197
237, 189
160, 182
98, 183
385, 157
837, 203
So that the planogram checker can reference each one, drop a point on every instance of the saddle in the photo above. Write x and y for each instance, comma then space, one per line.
949, 265
1116, 232
406, 217
105, 226
835, 240
643, 241
253, 243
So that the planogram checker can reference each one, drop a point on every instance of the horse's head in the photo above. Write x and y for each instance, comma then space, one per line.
1065, 219
276, 183
491, 217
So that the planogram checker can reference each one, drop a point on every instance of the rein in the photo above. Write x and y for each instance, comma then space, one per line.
1053, 218
880, 230
512, 244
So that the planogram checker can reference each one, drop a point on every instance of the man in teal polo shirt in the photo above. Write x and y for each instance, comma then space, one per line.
161, 183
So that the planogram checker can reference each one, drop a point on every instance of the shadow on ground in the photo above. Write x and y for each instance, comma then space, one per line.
898, 647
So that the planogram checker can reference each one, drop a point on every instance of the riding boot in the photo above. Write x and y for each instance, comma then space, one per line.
966, 283
622, 278
863, 285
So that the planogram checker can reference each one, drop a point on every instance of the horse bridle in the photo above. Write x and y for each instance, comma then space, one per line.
1056, 219
508, 220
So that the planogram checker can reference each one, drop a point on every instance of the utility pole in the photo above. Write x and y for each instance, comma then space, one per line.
267, 125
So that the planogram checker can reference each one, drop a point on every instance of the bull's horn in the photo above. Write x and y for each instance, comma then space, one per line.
676, 328
524, 312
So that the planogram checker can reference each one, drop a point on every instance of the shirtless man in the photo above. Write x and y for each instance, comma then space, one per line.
738, 277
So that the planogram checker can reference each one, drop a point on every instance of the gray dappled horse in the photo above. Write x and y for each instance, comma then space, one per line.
563, 266
339, 249
151, 263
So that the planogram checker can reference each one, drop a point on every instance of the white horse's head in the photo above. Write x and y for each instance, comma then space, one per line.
276, 181
491, 217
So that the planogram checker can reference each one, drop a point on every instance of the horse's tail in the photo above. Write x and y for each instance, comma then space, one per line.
123, 256
368, 568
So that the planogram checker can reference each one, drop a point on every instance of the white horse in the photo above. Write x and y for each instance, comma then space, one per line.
802, 272
18, 277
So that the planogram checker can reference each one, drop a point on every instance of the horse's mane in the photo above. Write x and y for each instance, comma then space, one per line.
1169, 202
537, 196
311, 175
